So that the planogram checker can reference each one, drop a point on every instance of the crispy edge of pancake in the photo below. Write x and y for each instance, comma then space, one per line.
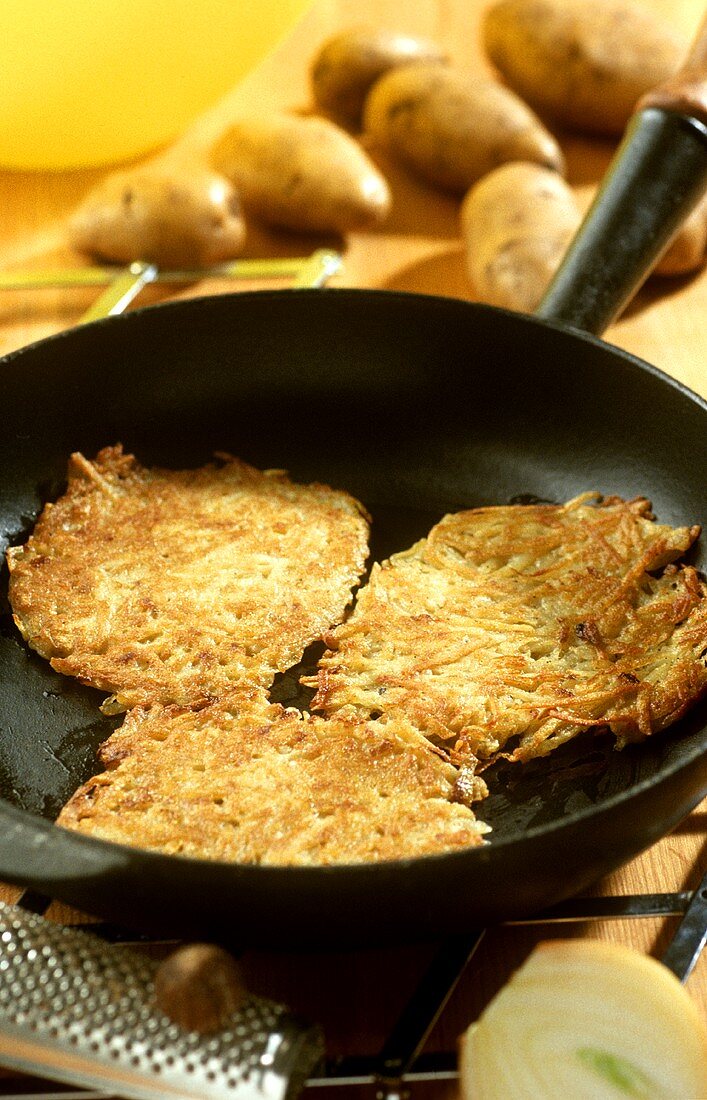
104, 610
241, 781
555, 640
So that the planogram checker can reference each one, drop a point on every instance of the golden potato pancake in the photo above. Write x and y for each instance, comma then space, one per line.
242, 781
526, 625
175, 586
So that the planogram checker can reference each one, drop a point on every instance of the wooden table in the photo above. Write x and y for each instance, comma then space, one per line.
357, 997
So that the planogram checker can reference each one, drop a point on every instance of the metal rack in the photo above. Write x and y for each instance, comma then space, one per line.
122, 285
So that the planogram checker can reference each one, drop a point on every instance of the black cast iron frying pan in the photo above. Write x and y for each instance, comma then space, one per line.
418, 406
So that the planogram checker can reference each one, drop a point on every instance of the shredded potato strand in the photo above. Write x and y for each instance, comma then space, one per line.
527, 624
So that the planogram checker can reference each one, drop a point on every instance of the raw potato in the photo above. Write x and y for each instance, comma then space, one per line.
583, 63
587, 1020
346, 67
517, 223
172, 215
302, 173
451, 127
687, 252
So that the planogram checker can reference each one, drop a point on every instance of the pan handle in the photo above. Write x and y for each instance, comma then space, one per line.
656, 178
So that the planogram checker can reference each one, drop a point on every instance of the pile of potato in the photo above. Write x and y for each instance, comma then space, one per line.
580, 64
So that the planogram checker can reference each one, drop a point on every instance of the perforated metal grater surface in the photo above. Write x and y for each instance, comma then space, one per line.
78, 1010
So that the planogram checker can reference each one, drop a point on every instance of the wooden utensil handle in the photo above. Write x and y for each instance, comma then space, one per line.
686, 92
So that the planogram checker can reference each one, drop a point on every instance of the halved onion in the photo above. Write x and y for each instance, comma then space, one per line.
587, 1020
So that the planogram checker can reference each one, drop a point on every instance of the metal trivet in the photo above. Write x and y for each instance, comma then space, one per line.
401, 1062
124, 284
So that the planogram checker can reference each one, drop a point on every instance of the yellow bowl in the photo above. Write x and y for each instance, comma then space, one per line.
92, 82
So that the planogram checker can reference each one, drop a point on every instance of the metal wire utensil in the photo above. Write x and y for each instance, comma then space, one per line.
124, 284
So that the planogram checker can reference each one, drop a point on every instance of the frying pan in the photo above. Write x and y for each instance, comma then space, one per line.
418, 405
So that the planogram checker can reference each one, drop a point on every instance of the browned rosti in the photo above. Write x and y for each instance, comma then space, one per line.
529, 623
175, 586
242, 781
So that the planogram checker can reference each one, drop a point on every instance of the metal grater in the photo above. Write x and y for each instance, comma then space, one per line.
79, 1010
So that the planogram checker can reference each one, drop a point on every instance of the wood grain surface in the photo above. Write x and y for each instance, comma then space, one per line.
357, 997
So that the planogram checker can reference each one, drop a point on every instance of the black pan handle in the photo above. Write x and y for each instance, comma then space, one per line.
656, 178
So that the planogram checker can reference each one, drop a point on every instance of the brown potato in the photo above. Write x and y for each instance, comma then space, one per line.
346, 66
176, 215
452, 128
583, 63
687, 252
301, 173
517, 223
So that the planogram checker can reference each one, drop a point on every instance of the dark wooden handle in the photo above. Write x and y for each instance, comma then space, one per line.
199, 987
686, 92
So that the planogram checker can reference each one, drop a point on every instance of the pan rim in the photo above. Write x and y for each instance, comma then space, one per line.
437, 301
